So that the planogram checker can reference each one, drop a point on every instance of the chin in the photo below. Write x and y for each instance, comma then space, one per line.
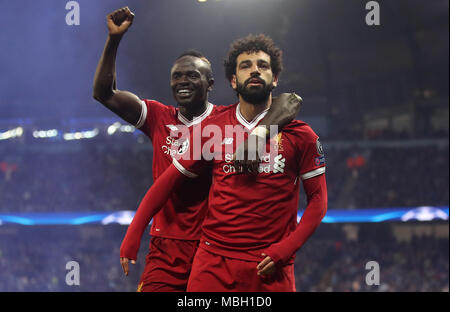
183, 102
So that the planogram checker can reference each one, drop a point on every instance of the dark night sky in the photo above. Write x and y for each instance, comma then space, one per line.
47, 67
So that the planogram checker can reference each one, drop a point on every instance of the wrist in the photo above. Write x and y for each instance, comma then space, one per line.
274, 254
115, 38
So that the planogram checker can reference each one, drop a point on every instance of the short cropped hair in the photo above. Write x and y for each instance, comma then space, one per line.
198, 54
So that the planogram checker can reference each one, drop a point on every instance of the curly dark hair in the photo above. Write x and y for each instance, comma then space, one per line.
254, 43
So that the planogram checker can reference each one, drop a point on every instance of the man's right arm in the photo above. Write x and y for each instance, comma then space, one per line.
151, 204
123, 103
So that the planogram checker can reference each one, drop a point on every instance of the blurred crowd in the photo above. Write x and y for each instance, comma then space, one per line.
339, 264
89, 178
34, 259
98, 176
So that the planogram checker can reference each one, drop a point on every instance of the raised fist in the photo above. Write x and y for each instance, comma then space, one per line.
119, 21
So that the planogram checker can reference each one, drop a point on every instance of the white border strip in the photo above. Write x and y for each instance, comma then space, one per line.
182, 170
254, 122
197, 119
313, 173
143, 116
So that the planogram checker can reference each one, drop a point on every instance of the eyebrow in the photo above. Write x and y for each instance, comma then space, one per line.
257, 61
186, 72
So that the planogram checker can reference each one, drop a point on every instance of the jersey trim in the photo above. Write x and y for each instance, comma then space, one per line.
313, 173
196, 119
143, 115
249, 125
183, 170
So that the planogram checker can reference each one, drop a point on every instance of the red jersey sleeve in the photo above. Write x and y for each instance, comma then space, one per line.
316, 191
312, 169
153, 201
312, 157
149, 121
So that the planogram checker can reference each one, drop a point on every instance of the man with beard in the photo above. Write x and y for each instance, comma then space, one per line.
250, 233
176, 229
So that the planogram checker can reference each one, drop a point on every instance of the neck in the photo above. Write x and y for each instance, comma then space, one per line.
193, 111
250, 111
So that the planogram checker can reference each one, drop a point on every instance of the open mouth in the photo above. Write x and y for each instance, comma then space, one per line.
184, 92
254, 82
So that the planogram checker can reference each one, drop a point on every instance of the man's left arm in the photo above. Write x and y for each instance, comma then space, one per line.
312, 172
280, 253
283, 110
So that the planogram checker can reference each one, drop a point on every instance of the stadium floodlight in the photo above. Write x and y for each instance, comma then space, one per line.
80, 135
127, 128
13, 133
90, 134
113, 128
42, 134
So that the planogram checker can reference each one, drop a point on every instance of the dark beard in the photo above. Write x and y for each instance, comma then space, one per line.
254, 95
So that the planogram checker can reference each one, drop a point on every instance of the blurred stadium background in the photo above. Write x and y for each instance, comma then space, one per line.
376, 95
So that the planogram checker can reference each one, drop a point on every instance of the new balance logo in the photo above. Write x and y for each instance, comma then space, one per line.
279, 164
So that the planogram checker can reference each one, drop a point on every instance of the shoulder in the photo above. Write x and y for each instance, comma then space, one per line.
301, 130
220, 112
155, 105
220, 109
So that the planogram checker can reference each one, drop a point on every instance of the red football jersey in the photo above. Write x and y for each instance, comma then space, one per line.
247, 213
183, 214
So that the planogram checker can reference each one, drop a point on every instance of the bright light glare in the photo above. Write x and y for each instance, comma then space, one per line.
16, 132
40, 134
80, 135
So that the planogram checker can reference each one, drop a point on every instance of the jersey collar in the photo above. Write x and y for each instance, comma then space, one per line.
196, 119
252, 124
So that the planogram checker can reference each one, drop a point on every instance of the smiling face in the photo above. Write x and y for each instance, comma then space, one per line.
190, 81
254, 78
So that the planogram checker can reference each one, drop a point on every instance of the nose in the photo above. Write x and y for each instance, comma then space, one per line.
183, 79
255, 71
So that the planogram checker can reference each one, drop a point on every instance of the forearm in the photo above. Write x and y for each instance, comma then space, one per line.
105, 75
151, 204
316, 209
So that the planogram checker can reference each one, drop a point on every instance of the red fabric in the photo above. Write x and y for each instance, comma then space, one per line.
316, 191
153, 201
248, 213
168, 265
215, 273
184, 211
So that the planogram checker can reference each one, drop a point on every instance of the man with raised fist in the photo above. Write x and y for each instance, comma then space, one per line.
176, 228
250, 234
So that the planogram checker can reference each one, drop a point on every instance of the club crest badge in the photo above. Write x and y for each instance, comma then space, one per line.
183, 147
